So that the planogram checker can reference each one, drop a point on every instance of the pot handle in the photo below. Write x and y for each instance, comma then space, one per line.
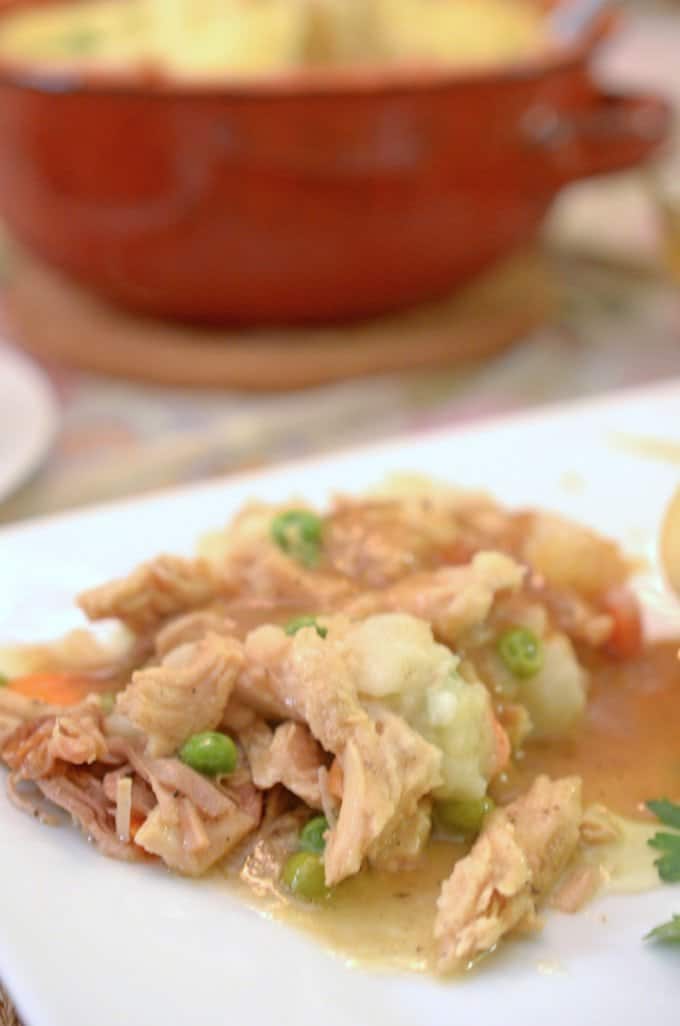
612, 132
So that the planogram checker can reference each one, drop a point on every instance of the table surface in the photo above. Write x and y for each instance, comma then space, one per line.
619, 326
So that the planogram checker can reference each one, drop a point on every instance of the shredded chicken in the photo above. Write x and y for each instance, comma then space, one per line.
196, 821
18, 708
387, 767
152, 593
547, 820
519, 856
376, 542
37, 747
452, 599
401, 848
192, 627
249, 563
123, 808
238, 716
598, 826
186, 694
577, 888
289, 755
82, 796
189, 839
142, 797
573, 557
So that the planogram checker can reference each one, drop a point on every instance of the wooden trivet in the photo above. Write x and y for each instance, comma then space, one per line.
56, 319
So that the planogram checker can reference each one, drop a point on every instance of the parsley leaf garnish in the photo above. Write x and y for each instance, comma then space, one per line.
667, 812
668, 863
667, 933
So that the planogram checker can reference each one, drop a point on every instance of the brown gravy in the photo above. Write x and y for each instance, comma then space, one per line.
377, 918
627, 749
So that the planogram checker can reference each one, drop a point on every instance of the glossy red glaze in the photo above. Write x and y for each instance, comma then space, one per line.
307, 198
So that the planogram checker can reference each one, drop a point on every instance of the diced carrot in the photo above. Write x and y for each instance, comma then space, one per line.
502, 747
137, 819
54, 688
456, 553
336, 779
625, 641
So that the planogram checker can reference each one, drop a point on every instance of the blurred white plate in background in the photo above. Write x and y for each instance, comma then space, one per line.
28, 418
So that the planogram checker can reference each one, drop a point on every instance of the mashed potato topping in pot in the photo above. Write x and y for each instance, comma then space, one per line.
223, 37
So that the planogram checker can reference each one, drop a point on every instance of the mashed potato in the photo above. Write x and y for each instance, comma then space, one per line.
212, 37
400, 665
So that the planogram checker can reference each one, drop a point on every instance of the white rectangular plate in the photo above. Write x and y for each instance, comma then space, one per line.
85, 941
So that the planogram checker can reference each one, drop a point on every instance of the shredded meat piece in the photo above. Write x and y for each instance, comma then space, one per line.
82, 796
238, 716
8, 724
252, 566
289, 755
452, 599
598, 826
387, 767
142, 797
577, 888
37, 747
124, 808
152, 593
20, 708
516, 860
571, 556
400, 849
190, 841
191, 627
176, 776
546, 821
268, 849
26, 797
186, 694
196, 821
253, 691
172, 777
576, 616
376, 542
487, 895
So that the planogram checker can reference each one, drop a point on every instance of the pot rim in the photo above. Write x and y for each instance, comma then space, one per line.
151, 83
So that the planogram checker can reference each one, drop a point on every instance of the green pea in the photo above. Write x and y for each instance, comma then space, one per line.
463, 817
521, 651
107, 700
311, 835
4, 681
295, 625
303, 875
297, 532
210, 753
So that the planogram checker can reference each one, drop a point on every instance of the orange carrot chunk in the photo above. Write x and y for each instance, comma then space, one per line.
53, 687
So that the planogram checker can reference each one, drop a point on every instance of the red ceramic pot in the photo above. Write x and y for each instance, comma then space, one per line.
306, 198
